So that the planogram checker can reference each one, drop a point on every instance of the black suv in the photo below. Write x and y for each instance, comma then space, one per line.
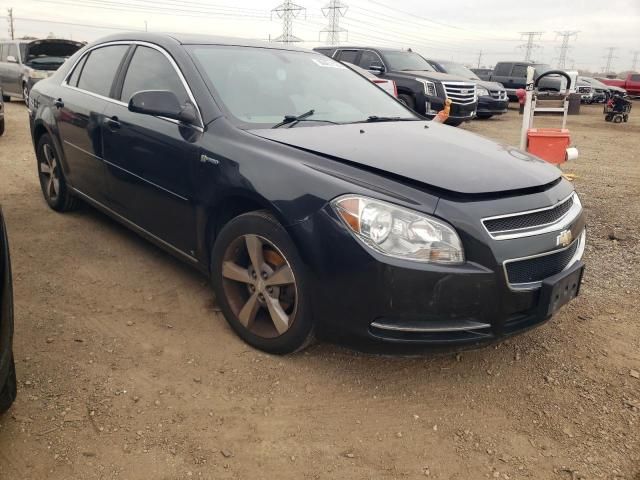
420, 86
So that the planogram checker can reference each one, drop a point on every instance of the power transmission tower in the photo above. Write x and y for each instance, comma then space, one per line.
610, 56
10, 19
634, 63
287, 11
333, 11
479, 58
564, 48
530, 45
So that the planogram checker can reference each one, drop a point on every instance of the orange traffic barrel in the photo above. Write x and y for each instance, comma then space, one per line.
549, 144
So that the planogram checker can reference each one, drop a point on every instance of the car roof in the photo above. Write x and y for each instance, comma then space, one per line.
379, 49
195, 39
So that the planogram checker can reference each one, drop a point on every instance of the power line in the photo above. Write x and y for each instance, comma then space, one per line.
530, 45
564, 48
333, 11
287, 11
610, 56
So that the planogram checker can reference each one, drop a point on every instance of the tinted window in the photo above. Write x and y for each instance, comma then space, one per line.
348, 56
151, 70
406, 61
635, 78
519, 71
502, 69
100, 69
73, 79
368, 59
12, 51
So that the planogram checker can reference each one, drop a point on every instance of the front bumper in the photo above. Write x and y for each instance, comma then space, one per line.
374, 302
489, 105
458, 112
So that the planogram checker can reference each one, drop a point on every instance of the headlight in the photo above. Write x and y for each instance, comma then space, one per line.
429, 87
38, 74
482, 92
399, 232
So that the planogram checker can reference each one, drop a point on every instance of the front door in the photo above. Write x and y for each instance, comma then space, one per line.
151, 161
80, 117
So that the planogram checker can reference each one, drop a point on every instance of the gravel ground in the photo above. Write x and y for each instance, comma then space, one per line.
127, 371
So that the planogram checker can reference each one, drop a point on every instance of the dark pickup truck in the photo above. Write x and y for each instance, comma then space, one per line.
513, 75
420, 86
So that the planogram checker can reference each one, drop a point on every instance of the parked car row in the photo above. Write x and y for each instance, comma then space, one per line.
317, 204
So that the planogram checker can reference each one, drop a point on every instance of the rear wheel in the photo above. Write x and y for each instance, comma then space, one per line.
617, 119
260, 284
52, 181
9, 389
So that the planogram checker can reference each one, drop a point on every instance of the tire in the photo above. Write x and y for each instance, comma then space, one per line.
8, 391
484, 116
407, 100
53, 185
6, 98
1, 127
25, 94
278, 318
617, 119
608, 118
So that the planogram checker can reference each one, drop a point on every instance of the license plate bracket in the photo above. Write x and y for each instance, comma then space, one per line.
560, 289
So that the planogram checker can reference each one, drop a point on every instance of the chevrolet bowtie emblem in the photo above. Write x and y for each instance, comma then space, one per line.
564, 238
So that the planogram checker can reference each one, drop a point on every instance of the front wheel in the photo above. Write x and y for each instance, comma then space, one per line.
261, 285
25, 94
52, 181
1, 127
407, 100
9, 389
454, 123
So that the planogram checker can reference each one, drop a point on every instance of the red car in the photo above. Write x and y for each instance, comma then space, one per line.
631, 84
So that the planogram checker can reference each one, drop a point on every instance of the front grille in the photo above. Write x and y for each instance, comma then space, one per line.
529, 220
460, 92
499, 94
538, 268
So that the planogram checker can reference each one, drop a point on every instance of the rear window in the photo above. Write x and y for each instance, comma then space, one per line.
100, 69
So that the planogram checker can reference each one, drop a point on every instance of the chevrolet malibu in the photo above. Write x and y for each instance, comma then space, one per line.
318, 205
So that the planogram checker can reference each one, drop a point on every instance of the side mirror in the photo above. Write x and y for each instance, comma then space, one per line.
12, 59
162, 103
376, 68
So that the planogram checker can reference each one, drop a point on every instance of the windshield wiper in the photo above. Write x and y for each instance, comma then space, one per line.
293, 119
375, 118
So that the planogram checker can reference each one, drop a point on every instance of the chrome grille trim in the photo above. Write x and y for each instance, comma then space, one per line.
558, 224
462, 93
581, 241
499, 94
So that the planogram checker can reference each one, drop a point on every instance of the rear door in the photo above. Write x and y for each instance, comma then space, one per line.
80, 114
519, 75
151, 160
502, 74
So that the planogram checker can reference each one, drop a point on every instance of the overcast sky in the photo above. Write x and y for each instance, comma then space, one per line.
438, 29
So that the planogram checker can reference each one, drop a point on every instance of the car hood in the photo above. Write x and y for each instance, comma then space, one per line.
436, 155
443, 77
489, 85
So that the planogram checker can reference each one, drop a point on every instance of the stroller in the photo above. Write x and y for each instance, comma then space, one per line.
617, 109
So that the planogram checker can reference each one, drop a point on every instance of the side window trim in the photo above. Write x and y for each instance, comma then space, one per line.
120, 72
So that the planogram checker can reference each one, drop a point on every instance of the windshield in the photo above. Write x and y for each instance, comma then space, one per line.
47, 53
263, 85
400, 61
457, 69
541, 68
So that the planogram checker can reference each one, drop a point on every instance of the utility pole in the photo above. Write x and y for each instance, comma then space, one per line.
333, 11
530, 44
479, 58
287, 11
610, 56
12, 32
564, 48
634, 63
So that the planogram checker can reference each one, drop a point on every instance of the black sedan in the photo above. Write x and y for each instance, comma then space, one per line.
318, 205
7, 367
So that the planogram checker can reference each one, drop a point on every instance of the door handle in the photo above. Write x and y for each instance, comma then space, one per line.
112, 123
58, 103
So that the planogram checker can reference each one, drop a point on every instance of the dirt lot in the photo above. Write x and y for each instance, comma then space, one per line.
126, 370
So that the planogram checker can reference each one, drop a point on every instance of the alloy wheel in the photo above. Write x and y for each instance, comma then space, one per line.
25, 94
260, 286
49, 173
